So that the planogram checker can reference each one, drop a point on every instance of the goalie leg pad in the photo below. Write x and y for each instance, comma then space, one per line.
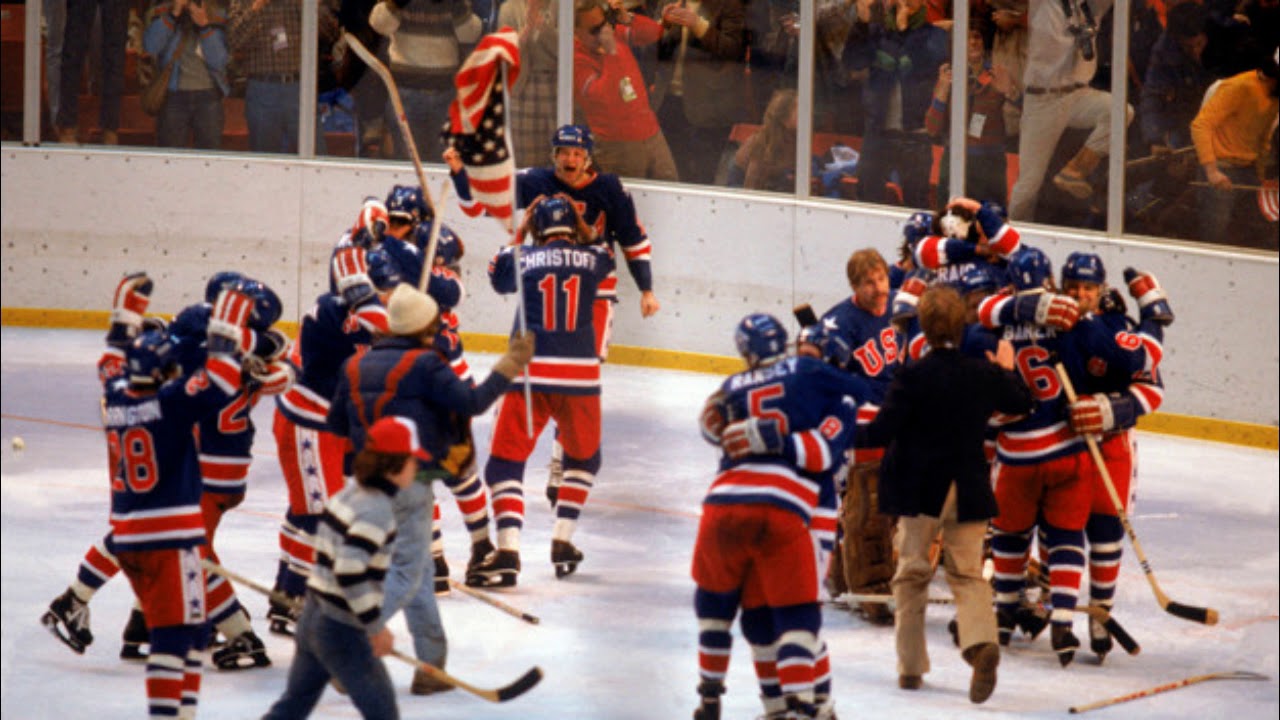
869, 561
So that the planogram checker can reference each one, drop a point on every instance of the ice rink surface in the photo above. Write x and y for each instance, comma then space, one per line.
617, 640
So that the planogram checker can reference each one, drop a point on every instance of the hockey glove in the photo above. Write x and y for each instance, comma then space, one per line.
228, 331
753, 436
908, 296
519, 352
351, 276
274, 377
1046, 308
1153, 303
133, 296
370, 224
712, 419
270, 345
1112, 302
1092, 414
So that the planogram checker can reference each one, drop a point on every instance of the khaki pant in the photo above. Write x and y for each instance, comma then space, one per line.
962, 552
644, 159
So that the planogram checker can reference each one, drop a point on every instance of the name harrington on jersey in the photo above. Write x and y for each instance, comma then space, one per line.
122, 416
558, 257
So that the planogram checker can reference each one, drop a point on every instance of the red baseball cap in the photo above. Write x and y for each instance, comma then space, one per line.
395, 435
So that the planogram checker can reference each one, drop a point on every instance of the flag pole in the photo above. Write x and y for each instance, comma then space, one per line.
522, 324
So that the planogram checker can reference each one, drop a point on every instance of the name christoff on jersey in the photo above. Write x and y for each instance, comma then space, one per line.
558, 257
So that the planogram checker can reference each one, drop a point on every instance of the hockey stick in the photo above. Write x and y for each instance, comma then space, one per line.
1205, 615
502, 694
487, 598
1100, 614
804, 315
1226, 675
383, 72
433, 238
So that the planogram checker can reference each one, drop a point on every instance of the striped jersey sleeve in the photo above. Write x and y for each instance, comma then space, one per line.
353, 552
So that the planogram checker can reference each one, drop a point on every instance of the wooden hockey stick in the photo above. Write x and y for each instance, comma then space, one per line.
487, 598
1227, 675
502, 694
383, 72
1205, 615
804, 315
1102, 615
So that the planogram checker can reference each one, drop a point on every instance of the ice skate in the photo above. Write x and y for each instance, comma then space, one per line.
565, 557
135, 637
68, 619
282, 619
1099, 640
1064, 643
480, 551
500, 569
243, 652
555, 476
441, 575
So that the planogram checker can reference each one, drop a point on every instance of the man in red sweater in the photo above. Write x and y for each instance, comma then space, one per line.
610, 91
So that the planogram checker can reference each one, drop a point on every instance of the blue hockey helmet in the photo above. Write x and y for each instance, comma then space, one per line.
150, 358
1084, 267
573, 136
266, 304
917, 227
553, 216
979, 277
220, 280
1030, 269
998, 208
394, 263
449, 249
761, 339
405, 203
835, 349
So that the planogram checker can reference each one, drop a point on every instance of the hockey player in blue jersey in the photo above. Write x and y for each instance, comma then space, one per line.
776, 422
966, 233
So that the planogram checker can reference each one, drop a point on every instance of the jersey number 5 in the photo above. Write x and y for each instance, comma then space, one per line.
571, 288
133, 460
758, 401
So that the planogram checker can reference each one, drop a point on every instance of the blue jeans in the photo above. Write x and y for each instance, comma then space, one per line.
271, 112
75, 46
409, 585
329, 648
1216, 206
191, 116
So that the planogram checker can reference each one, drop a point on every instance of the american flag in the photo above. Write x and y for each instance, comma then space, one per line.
477, 120
1269, 200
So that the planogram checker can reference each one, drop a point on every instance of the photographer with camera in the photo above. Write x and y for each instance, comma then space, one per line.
191, 38
1061, 61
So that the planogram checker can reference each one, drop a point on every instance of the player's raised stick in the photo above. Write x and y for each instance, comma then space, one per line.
1205, 615
1227, 675
502, 694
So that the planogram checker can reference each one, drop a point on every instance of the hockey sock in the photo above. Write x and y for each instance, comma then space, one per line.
505, 479
798, 647
437, 535
579, 477
1009, 556
757, 628
1105, 535
715, 613
297, 552
822, 680
167, 669
233, 624
191, 684
1066, 564
98, 566
473, 503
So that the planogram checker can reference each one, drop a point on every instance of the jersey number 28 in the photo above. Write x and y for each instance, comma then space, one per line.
132, 456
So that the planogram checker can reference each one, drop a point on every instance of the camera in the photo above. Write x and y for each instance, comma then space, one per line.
1081, 26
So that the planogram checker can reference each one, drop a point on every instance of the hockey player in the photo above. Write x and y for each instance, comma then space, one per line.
157, 528
559, 277
1115, 389
776, 423
965, 234
342, 631
609, 213
402, 375
863, 322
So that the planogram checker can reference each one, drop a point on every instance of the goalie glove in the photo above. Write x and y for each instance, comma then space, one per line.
133, 296
753, 436
1153, 303
907, 299
1046, 308
228, 325
351, 277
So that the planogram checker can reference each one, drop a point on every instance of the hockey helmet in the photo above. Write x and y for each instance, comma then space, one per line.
1030, 269
979, 277
573, 136
449, 249
394, 263
220, 280
266, 304
761, 339
1084, 267
405, 203
150, 358
834, 348
917, 227
553, 216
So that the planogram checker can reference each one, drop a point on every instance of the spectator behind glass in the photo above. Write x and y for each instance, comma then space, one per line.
903, 54
1232, 135
427, 48
533, 97
773, 34
837, 105
768, 158
192, 111
610, 91
367, 89
989, 85
55, 24
266, 38
114, 19
699, 93
1176, 79
1057, 96
1009, 50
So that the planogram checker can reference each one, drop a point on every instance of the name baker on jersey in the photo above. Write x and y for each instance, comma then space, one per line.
1028, 333
558, 257
121, 416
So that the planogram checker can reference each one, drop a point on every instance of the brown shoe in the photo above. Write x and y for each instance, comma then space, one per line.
910, 682
426, 684
984, 658
110, 137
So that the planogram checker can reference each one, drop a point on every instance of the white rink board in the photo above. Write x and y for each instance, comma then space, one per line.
75, 219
